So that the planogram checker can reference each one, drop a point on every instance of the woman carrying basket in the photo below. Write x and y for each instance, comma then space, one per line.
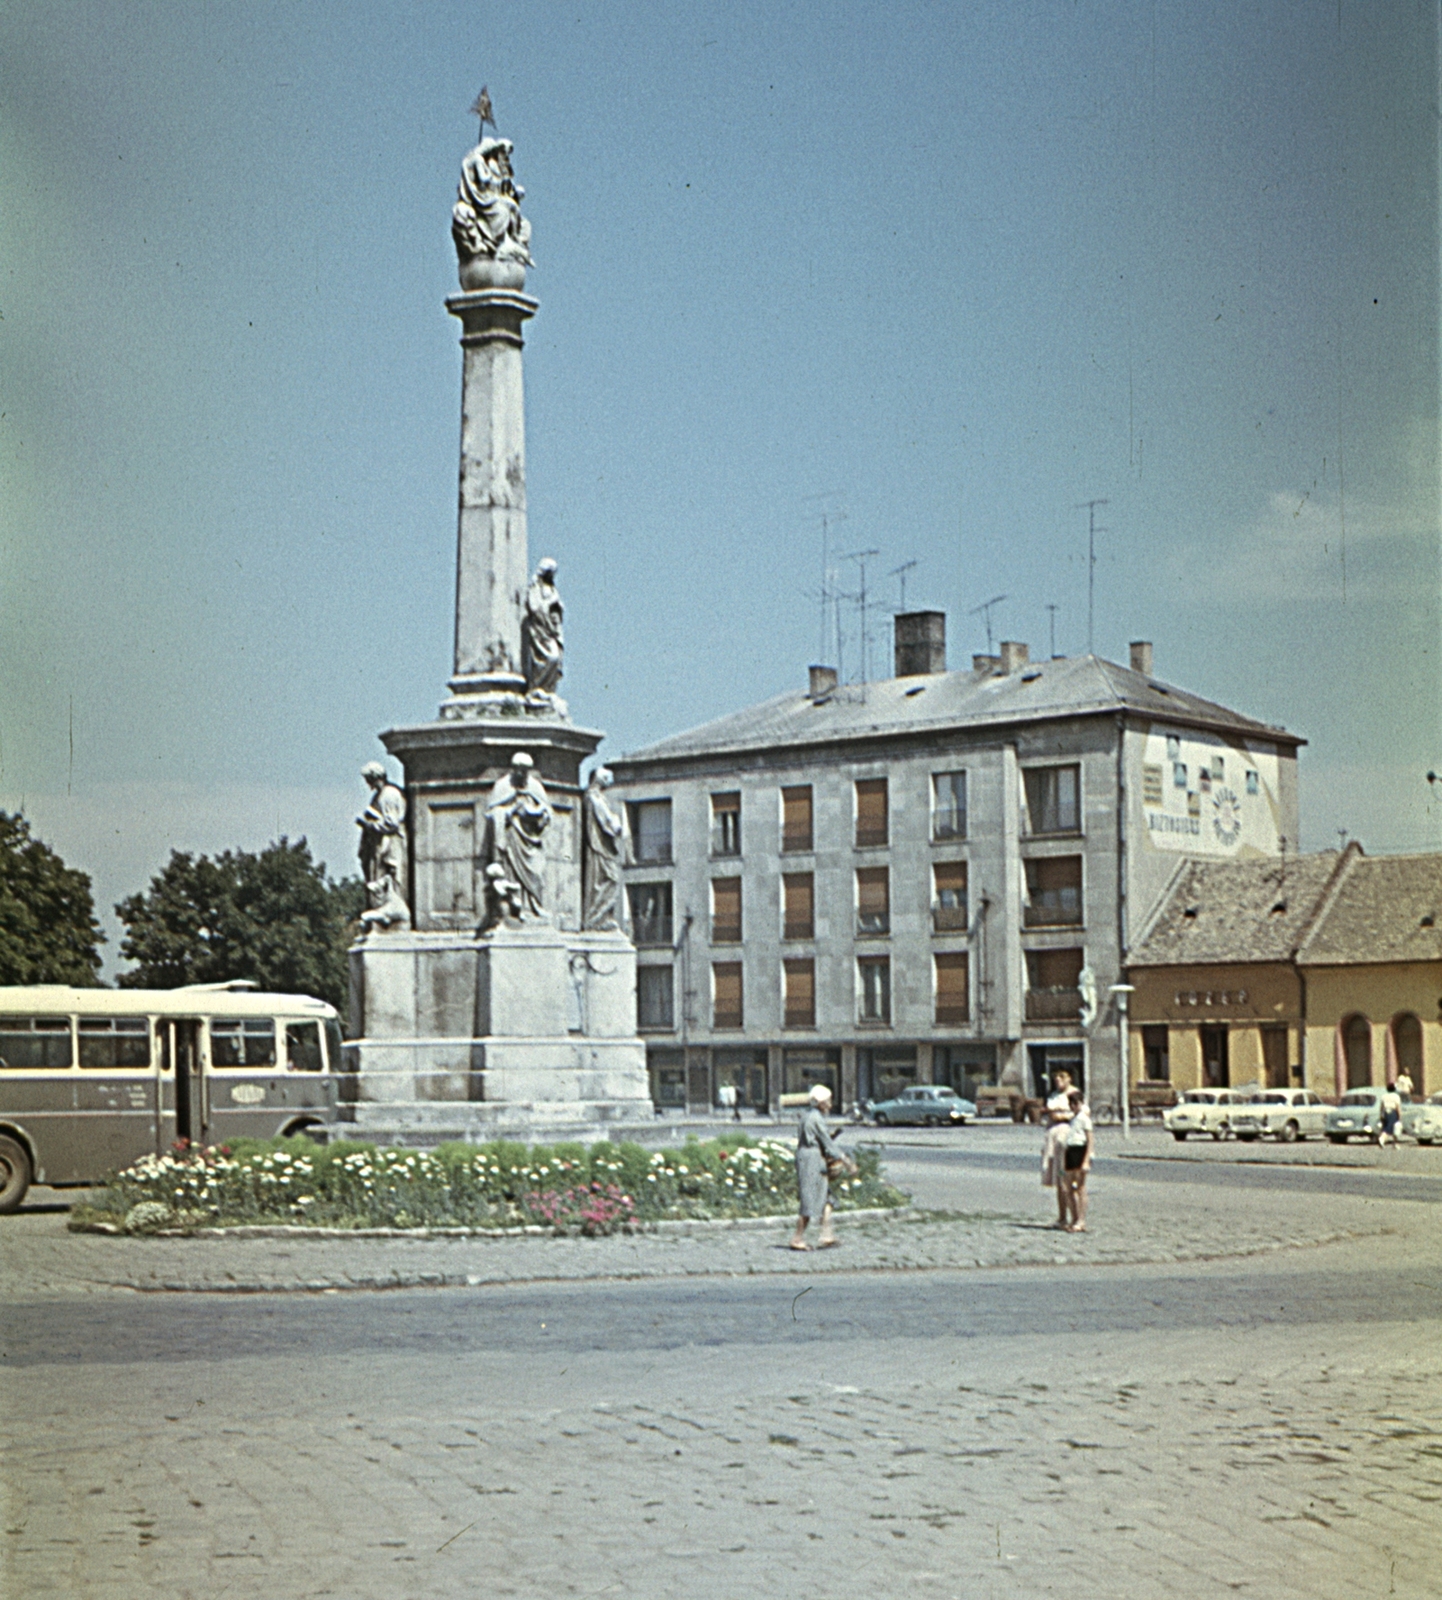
816, 1150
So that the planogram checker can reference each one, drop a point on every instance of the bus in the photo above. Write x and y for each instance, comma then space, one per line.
93, 1079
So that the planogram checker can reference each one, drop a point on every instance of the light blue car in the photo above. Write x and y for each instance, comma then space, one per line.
931, 1104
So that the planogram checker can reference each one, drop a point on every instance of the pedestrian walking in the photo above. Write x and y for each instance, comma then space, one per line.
815, 1148
1391, 1109
1056, 1117
1077, 1161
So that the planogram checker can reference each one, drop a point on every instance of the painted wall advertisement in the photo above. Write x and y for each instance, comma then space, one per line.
1202, 795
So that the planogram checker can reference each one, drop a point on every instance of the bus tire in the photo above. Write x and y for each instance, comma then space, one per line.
14, 1174
314, 1131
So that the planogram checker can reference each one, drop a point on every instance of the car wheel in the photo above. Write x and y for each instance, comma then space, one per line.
1337, 1138
14, 1174
1181, 1138
1217, 1134
1246, 1138
1290, 1133
882, 1120
1421, 1140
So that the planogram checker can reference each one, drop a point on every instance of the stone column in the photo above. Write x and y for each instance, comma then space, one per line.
491, 556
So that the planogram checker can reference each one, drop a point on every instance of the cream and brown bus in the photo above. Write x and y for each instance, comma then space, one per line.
93, 1079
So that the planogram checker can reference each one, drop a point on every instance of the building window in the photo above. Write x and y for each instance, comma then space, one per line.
651, 921
651, 831
1054, 892
668, 1077
874, 973
1156, 1055
727, 1010
800, 993
1052, 979
726, 824
871, 817
655, 1004
725, 911
1407, 1046
1275, 1071
948, 911
948, 805
1216, 1058
873, 900
1053, 799
953, 988
798, 892
1356, 1046
796, 818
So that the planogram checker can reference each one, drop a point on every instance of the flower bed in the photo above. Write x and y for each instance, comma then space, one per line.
565, 1187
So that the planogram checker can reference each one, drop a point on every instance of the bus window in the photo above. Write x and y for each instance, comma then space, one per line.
242, 1042
302, 1047
109, 1042
35, 1043
333, 1045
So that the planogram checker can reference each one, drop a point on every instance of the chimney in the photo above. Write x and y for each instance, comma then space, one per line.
823, 682
1142, 656
985, 663
1014, 655
920, 638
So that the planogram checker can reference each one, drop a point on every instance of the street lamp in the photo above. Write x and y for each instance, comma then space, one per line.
1121, 991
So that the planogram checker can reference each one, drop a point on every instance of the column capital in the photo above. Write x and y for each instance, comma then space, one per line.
492, 315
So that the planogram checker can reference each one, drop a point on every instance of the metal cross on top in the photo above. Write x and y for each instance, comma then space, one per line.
482, 109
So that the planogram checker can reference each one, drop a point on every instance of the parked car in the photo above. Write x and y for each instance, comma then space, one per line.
1202, 1111
1284, 1114
928, 1103
1358, 1114
1426, 1120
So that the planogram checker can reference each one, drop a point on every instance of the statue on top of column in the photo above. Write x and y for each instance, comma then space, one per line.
486, 219
543, 645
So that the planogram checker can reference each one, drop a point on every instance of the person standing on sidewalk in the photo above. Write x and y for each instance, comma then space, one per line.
1056, 1117
814, 1148
1076, 1162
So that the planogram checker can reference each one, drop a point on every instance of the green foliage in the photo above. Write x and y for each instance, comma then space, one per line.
563, 1187
273, 917
48, 931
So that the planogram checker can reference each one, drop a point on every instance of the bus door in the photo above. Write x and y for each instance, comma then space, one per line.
116, 1103
182, 1106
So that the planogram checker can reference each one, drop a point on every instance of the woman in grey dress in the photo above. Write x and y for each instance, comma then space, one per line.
814, 1147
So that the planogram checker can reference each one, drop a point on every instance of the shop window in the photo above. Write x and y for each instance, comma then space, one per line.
872, 821
725, 911
727, 1010
882, 1073
800, 979
796, 823
1053, 799
953, 988
726, 824
948, 805
873, 900
651, 831
1216, 1059
798, 896
1274, 1058
949, 911
651, 917
668, 1078
1156, 1055
1054, 892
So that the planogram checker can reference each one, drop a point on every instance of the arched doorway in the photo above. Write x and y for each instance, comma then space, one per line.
1357, 1048
1407, 1047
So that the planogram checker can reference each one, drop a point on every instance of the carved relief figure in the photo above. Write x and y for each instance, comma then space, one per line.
517, 816
503, 897
543, 645
486, 219
603, 855
383, 851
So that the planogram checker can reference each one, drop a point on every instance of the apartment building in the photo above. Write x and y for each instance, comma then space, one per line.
925, 879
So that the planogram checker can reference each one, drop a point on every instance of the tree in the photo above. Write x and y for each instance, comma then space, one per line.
275, 918
48, 931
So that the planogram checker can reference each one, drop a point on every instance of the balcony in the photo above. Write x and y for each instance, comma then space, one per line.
949, 919
653, 931
1053, 1005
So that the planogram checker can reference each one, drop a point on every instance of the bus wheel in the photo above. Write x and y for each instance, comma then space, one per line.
14, 1174
313, 1131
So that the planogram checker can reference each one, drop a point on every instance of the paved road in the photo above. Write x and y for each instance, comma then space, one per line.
1266, 1425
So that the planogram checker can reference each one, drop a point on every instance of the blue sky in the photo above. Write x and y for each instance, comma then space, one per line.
945, 271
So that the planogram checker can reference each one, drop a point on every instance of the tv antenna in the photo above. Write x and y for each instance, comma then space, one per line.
901, 572
985, 611
1052, 619
860, 557
823, 506
1090, 507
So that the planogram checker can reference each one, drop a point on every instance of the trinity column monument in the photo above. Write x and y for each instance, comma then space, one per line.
493, 987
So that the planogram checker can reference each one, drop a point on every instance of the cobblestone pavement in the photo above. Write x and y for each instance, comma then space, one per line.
1266, 1424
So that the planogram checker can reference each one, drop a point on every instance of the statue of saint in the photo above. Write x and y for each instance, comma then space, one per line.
517, 816
486, 219
383, 851
603, 854
542, 644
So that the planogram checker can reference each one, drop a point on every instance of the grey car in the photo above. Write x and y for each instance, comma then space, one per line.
927, 1103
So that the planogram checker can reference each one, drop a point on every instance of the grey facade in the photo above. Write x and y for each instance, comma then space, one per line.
980, 844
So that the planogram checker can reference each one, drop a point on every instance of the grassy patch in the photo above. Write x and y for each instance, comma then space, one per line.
568, 1188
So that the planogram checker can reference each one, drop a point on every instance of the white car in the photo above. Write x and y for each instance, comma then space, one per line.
1425, 1125
1284, 1114
1202, 1111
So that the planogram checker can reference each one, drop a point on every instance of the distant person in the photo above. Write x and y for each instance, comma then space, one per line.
1391, 1108
1077, 1161
1056, 1117
814, 1148
1404, 1084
